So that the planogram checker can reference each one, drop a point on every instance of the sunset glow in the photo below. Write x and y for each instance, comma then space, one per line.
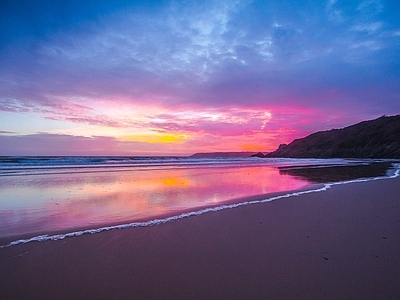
175, 78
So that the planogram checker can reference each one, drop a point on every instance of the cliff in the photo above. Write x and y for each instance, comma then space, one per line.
379, 138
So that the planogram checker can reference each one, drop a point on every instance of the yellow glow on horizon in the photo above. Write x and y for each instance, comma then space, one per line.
252, 147
162, 138
175, 181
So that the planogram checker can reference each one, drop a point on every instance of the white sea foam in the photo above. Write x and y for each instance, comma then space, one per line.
23, 166
325, 187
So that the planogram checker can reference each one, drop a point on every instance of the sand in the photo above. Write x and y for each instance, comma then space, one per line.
343, 243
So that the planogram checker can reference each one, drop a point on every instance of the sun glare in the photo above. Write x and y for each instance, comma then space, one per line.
157, 138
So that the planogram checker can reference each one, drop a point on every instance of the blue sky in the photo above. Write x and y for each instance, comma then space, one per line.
177, 77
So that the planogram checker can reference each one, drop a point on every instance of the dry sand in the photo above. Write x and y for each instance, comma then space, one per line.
343, 243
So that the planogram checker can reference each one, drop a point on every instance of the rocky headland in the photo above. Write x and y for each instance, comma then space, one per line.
379, 138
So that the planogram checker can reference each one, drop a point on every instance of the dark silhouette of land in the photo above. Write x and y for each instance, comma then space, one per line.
221, 154
379, 138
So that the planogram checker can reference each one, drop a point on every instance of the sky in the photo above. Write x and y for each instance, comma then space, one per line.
176, 77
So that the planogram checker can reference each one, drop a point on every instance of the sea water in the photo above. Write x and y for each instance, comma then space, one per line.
49, 198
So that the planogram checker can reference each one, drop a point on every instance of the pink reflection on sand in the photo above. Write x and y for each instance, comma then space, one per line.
48, 203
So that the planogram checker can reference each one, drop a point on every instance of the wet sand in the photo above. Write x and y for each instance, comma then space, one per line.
343, 243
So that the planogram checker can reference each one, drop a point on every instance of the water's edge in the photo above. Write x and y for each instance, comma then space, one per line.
202, 211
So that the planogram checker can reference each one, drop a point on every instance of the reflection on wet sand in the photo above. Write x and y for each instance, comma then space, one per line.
324, 173
48, 203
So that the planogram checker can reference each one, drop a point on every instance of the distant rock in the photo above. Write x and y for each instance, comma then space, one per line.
221, 154
379, 138
259, 154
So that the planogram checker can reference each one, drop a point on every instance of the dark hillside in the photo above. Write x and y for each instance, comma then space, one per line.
379, 138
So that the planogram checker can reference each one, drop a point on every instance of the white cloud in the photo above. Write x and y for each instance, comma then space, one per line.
369, 28
334, 14
370, 6
371, 45
178, 40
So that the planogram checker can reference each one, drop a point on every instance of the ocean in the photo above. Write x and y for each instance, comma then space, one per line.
52, 198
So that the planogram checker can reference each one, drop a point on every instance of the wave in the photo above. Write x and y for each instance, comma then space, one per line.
32, 165
199, 212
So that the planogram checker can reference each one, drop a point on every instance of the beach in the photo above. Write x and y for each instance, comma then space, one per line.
200, 150
339, 243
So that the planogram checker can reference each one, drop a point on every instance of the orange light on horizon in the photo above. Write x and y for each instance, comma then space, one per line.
253, 147
157, 138
176, 182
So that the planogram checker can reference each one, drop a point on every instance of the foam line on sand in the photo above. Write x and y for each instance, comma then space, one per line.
202, 211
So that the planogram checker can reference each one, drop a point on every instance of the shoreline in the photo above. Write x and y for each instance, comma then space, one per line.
343, 243
10, 241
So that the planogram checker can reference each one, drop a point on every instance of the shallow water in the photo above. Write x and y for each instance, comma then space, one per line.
48, 203
63, 200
